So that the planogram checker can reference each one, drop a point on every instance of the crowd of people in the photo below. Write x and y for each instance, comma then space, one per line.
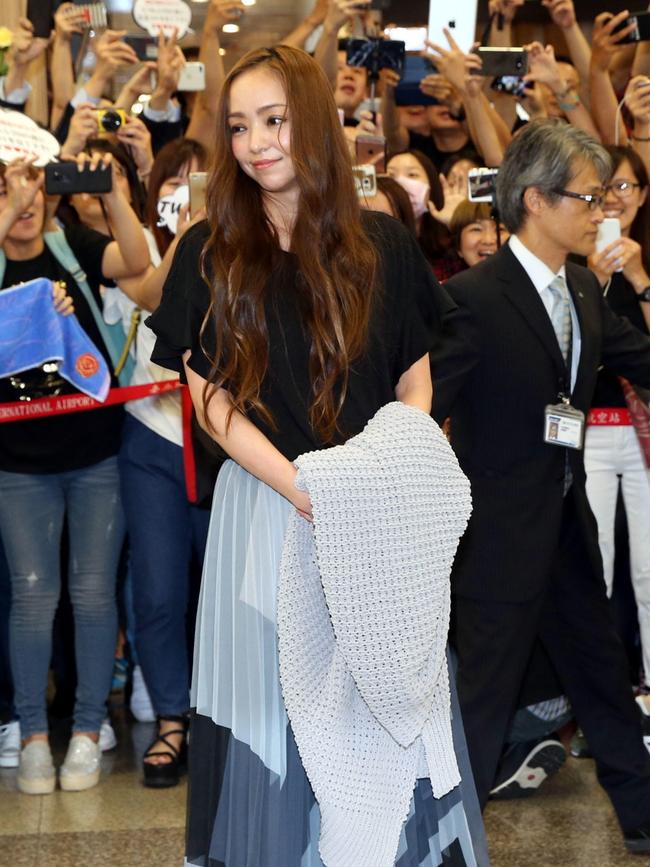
267, 306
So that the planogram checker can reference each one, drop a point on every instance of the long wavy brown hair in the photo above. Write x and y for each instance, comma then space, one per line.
336, 260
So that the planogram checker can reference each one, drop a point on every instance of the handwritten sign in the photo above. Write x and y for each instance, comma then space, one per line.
22, 138
169, 207
156, 16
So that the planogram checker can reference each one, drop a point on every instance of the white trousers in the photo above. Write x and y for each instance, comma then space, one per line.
612, 451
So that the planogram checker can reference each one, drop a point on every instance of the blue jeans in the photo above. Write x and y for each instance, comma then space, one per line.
32, 511
164, 529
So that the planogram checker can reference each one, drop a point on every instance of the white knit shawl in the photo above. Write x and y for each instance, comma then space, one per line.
363, 616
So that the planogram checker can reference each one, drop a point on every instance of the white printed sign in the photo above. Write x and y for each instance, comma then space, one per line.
22, 138
169, 207
155, 16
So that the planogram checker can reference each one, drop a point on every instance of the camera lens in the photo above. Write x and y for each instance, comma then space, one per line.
111, 121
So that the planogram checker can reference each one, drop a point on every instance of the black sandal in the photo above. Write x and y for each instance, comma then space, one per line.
167, 774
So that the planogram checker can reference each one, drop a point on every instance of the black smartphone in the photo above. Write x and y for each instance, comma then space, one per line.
63, 179
503, 61
376, 54
641, 32
408, 90
145, 47
512, 84
41, 14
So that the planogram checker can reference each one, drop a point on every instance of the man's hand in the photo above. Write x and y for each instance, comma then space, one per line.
25, 47
22, 185
562, 12
605, 43
222, 12
506, 8
68, 19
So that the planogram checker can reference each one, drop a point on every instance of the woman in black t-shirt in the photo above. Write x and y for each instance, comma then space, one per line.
56, 468
315, 318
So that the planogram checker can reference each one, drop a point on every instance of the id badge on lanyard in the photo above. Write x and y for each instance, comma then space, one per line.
564, 425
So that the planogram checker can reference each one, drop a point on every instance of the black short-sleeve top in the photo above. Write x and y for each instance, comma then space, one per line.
409, 304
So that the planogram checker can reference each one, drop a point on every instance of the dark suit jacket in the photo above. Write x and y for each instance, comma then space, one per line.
496, 368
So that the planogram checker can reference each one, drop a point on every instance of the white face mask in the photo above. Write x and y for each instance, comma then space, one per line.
418, 194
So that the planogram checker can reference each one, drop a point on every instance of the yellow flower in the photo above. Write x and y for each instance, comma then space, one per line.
6, 37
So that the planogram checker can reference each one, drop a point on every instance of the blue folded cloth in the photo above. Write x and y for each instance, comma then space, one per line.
32, 333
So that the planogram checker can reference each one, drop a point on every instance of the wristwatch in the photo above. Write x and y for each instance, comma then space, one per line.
644, 295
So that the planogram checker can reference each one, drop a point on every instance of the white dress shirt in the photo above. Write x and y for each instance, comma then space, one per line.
541, 277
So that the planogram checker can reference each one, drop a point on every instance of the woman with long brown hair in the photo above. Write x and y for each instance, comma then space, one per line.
307, 317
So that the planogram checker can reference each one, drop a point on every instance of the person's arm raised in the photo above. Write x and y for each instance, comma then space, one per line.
339, 11
204, 113
543, 68
301, 33
67, 22
604, 46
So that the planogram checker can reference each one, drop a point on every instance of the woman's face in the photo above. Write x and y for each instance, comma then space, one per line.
89, 206
624, 204
171, 184
29, 224
478, 240
260, 130
406, 166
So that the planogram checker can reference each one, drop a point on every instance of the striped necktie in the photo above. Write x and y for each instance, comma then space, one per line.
561, 321
561, 315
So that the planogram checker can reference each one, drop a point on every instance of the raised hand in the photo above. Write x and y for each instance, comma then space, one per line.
83, 125
637, 99
112, 52
137, 138
170, 62
68, 19
25, 47
222, 12
507, 8
454, 193
604, 42
562, 12
340, 11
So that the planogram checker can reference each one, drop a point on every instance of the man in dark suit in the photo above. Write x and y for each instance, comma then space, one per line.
529, 565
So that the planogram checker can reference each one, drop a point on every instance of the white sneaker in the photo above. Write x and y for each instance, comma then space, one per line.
36, 771
141, 706
80, 769
107, 739
10, 745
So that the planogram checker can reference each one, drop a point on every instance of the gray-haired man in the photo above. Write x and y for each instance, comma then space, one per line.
516, 374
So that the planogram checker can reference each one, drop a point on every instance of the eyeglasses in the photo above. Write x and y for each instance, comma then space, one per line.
593, 201
622, 189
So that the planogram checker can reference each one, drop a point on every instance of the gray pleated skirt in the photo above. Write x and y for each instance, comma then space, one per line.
250, 803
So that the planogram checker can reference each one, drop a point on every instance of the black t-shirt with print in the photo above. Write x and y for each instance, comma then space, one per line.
67, 442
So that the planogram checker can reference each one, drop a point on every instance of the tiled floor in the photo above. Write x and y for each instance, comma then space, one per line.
121, 824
